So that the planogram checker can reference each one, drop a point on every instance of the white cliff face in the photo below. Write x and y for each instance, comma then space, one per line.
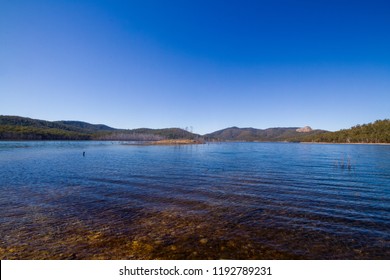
304, 129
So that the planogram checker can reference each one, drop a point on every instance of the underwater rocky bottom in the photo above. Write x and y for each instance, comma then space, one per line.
177, 234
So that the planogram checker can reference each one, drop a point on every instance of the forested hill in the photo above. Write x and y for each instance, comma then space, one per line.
20, 128
84, 126
376, 132
269, 134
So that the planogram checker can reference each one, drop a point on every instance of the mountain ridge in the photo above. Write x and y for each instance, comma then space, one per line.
22, 128
254, 134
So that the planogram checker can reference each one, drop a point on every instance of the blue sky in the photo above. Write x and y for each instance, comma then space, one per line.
205, 64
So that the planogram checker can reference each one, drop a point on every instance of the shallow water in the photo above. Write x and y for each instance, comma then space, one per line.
212, 201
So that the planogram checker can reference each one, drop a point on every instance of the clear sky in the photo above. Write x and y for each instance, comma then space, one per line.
206, 64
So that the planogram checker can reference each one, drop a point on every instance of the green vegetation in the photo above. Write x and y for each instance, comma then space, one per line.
20, 128
376, 132
167, 133
86, 126
262, 135
8, 132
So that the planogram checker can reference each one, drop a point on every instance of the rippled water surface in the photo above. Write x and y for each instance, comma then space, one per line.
212, 201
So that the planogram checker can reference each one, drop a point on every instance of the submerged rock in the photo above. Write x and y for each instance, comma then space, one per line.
203, 241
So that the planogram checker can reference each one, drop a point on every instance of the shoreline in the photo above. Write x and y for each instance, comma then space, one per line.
183, 142
169, 142
332, 143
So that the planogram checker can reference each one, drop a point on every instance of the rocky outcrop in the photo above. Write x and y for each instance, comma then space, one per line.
304, 129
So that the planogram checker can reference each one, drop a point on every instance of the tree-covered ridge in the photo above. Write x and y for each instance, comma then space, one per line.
16, 121
20, 128
9, 132
252, 134
86, 126
376, 132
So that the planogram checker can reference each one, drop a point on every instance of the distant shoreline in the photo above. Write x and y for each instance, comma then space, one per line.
343, 143
169, 142
21, 128
172, 142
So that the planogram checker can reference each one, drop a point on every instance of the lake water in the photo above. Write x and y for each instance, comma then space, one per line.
212, 201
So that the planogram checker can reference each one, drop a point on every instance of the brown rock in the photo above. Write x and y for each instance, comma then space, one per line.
304, 129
